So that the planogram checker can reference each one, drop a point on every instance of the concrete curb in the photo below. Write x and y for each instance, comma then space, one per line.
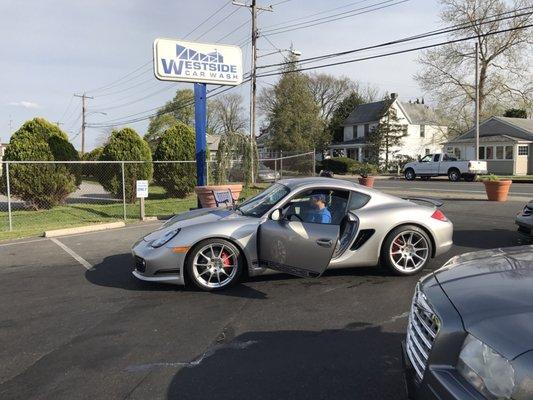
83, 229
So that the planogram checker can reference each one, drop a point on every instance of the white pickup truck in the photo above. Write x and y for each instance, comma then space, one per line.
443, 164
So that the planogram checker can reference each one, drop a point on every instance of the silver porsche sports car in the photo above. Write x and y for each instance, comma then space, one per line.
298, 226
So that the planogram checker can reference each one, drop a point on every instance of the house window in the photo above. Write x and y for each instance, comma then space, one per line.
427, 151
508, 152
499, 152
422, 130
489, 152
523, 150
367, 130
481, 153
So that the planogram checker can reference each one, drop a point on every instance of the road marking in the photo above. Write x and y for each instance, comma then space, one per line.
23, 242
72, 253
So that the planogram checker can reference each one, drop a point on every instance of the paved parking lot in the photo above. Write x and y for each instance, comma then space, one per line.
75, 324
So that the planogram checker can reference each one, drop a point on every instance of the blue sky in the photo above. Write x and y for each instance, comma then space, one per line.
52, 49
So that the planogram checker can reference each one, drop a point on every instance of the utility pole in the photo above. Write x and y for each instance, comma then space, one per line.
476, 110
253, 87
84, 97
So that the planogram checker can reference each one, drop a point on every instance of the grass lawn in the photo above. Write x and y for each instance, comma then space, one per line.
34, 223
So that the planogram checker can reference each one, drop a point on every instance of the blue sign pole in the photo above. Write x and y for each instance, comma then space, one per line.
200, 122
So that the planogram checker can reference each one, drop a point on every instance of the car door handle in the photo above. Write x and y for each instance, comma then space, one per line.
324, 242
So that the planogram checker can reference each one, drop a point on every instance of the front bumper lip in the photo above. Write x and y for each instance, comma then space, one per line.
174, 279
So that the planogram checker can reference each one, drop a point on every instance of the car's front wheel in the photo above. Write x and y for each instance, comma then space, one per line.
214, 264
410, 174
406, 250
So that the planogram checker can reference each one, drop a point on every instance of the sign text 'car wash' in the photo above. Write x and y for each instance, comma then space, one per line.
178, 60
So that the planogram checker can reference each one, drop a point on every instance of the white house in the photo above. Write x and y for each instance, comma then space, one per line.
505, 143
3, 147
424, 131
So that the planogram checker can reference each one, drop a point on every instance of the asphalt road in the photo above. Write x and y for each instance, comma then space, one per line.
74, 323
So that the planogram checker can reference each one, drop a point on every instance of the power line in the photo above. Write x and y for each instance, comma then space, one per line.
279, 72
437, 32
227, 3
111, 84
332, 18
217, 24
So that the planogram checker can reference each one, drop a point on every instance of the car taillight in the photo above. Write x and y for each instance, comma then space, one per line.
438, 214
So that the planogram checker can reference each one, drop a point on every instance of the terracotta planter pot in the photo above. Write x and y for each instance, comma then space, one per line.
205, 193
497, 190
368, 181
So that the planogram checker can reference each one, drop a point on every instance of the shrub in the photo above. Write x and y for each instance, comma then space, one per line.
364, 169
125, 145
338, 165
41, 185
89, 169
492, 178
176, 143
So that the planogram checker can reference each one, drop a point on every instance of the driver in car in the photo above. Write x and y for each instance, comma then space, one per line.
319, 213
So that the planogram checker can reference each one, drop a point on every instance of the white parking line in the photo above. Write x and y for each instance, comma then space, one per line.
72, 253
22, 242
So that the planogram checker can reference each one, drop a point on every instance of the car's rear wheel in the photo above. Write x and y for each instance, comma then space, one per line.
454, 175
406, 250
410, 174
214, 264
470, 177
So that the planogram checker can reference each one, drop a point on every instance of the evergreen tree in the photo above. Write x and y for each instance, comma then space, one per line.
294, 118
387, 134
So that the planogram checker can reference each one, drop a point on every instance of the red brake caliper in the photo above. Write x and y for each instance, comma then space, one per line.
226, 259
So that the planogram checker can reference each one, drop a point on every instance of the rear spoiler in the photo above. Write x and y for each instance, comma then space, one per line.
436, 203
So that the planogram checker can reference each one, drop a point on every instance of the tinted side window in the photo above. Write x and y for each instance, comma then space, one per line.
436, 157
357, 200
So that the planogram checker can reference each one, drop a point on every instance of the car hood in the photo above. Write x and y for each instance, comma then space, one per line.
193, 217
493, 292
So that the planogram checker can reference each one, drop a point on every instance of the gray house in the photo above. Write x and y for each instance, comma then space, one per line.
505, 143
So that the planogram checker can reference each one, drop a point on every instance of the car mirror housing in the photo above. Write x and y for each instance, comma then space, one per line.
276, 215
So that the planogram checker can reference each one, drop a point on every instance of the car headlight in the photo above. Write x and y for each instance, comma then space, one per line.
165, 238
489, 372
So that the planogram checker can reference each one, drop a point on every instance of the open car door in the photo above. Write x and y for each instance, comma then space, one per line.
295, 247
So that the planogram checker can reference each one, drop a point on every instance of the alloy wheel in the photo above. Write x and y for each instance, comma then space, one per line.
215, 265
409, 251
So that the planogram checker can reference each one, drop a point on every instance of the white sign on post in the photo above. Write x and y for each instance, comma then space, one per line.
182, 61
142, 189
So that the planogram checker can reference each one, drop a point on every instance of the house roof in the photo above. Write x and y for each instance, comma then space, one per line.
518, 128
487, 139
365, 113
416, 113
420, 114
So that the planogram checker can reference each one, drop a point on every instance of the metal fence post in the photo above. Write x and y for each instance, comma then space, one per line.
281, 164
275, 169
9, 198
123, 190
314, 162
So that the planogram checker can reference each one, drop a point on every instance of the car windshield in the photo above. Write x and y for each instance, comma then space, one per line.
258, 205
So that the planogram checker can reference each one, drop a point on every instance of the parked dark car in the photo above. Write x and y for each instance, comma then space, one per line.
470, 332
524, 219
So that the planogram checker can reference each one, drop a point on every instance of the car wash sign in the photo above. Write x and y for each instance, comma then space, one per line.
178, 60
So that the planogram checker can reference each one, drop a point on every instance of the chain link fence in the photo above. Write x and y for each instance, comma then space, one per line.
41, 195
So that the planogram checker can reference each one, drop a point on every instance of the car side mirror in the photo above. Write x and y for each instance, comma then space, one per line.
352, 217
276, 215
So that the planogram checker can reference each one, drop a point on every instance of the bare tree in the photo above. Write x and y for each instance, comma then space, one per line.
226, 114
329, 90
504, 73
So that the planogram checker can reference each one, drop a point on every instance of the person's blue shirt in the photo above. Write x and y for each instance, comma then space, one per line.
321, 216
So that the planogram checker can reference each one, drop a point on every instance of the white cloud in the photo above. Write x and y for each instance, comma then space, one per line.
25, 104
